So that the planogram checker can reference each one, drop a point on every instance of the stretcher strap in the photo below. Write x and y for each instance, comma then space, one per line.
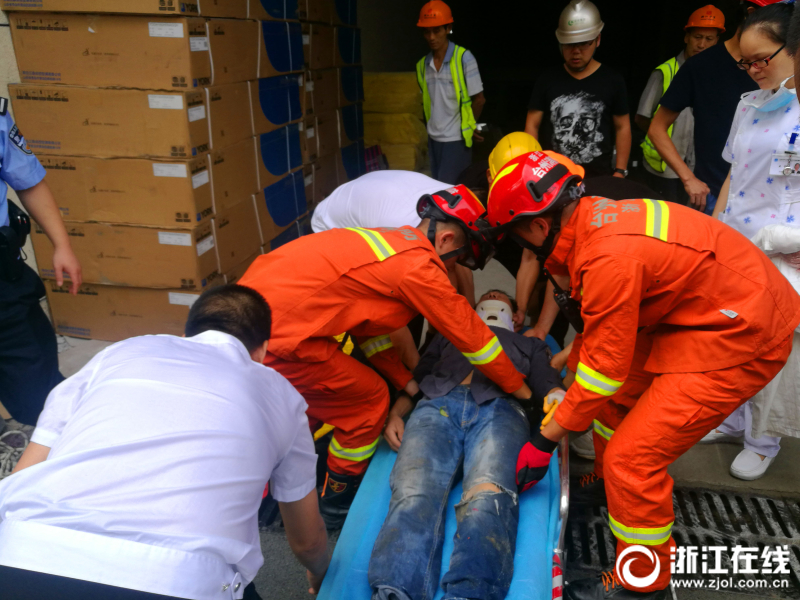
595, 381
647, 536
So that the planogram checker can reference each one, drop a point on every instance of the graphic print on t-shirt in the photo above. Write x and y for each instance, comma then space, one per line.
576, 126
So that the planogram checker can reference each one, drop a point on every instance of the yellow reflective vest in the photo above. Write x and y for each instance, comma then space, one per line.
462, 94
651, 155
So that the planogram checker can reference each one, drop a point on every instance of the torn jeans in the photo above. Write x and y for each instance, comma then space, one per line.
443, 434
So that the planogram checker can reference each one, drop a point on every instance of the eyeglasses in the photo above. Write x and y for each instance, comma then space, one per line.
759, 64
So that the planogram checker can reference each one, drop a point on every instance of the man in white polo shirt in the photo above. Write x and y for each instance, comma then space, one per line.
146, 469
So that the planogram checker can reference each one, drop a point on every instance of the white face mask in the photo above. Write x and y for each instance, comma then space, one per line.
496, 313
774, 101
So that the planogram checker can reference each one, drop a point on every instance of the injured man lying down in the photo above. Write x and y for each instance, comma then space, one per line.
464, 423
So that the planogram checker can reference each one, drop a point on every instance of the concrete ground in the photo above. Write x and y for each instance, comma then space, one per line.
282, 578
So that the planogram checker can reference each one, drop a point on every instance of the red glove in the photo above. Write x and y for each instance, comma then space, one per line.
533, 461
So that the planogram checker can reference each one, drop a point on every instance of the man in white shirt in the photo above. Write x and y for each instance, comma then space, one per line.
146, 469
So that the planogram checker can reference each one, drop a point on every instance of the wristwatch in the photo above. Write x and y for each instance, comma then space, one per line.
623, 172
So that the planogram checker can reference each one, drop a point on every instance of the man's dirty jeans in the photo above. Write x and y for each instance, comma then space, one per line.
441, 435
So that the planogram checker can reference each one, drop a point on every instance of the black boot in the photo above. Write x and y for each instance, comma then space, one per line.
607, 586
588, 490
337, 496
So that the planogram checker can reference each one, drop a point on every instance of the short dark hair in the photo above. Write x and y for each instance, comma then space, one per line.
793, 34
233, 309
772, 21
511, 299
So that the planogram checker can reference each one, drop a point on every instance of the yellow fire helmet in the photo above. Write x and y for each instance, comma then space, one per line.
510, 147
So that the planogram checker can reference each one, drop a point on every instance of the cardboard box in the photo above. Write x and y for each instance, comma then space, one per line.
158, 53
327, 127
236, 273
271, 10
275, 102
351, 85
308, 185
289, 234
326, 177
229, 118
280, 204
321, 91
135, 255
347, 49
236, 234
308, 140
350, 162
234, 175
112, 313
344, 12
235, 48
230, 9
275, 38
278, 153
142, 7
131, 190
320, 11
351, 124
76, 121
318, 45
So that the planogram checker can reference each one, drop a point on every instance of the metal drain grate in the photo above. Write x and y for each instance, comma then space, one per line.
702, 518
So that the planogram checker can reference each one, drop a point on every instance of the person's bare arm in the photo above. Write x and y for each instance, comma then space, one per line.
549, 310
395, 426
465, 283
307, 537
403, 342
526, 280
622, 127
41, 205
642, 122
33, 455
658, 134
478, 102
533, 122
722, 201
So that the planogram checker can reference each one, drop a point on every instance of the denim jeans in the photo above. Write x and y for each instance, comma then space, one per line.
442, 435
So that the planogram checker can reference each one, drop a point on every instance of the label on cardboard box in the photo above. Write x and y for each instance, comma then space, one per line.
171, 238
309, 86
306, 39
169, 170
197, 112
205, 245
199, 179
183, 299
171, 101
198, 43
309, 179
166, 30
310, 132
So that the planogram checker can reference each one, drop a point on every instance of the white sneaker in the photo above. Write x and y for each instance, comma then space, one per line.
749, 466
717, 437
583, 446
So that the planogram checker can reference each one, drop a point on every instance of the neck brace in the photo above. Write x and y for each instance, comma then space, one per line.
496, 313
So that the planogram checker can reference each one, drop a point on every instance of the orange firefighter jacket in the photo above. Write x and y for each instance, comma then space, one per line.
369, 282
713, 298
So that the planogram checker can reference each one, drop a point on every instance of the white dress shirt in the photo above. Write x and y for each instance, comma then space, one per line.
377, 199
160, 450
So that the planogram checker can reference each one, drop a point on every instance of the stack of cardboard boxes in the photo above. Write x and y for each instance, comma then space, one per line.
176, 141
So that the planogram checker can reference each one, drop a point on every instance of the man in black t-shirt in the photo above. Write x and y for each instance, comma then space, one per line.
711, 84
580, 109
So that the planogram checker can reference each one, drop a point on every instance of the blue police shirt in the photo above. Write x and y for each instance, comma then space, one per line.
19, 168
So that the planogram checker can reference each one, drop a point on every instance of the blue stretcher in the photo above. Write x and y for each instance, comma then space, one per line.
540, 536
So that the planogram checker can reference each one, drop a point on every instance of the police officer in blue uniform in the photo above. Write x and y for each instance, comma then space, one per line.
28, 350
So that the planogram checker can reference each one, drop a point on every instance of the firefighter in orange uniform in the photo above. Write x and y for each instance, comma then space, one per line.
369, 283
713, 316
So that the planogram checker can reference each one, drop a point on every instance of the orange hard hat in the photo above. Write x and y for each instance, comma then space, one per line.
708, 16
434, 14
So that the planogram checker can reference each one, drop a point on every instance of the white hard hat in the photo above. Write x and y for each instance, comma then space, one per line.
579, 22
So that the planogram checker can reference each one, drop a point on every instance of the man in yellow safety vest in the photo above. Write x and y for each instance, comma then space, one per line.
703, 30
452, 94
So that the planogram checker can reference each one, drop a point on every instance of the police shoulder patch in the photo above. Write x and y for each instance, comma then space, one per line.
3, 106
15, 135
